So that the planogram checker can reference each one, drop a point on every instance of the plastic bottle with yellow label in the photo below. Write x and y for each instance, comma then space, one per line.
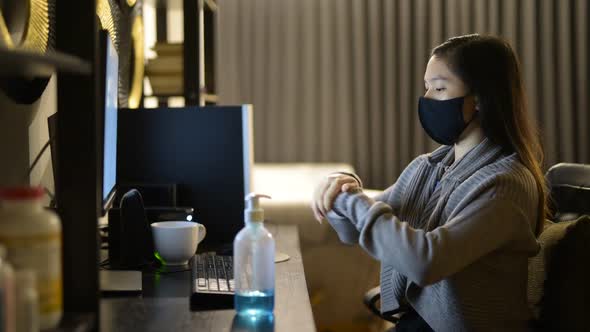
32, 237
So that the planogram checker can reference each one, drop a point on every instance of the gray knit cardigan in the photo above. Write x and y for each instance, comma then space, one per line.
453, 239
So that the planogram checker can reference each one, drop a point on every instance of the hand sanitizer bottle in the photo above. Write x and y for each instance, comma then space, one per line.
254, 266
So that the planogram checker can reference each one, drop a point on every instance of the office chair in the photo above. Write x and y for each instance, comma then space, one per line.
558, 289
569, 186
562, 241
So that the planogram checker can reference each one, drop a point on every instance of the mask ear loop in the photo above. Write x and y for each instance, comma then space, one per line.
475, 114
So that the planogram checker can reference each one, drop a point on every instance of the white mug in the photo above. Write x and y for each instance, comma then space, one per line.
177, 241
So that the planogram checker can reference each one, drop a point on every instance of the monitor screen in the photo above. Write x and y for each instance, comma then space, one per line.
207, 152
109, 170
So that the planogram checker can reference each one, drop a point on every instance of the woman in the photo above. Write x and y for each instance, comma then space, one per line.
455, 232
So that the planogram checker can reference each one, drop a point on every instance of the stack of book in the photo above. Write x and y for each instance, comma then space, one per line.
165, 71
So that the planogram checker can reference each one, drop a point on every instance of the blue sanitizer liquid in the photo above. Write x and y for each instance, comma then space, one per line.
255, 302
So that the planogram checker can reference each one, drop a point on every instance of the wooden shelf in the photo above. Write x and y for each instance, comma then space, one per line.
209, 98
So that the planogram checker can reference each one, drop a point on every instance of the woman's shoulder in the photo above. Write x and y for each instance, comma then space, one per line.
505, 179
508, 178
509, 168
415, 164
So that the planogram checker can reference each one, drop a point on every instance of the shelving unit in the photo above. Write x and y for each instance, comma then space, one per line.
198, 52
72, 66
77, 188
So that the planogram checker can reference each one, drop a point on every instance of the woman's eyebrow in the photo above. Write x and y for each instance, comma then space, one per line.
437, 78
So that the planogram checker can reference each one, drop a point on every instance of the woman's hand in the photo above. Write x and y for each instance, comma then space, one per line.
327, 191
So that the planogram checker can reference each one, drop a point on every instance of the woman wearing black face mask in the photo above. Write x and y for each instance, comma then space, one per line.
455, 232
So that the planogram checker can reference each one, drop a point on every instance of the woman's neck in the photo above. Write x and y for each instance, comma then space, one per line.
471, 136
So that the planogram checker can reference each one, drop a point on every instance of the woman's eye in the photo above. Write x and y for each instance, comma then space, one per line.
439, 89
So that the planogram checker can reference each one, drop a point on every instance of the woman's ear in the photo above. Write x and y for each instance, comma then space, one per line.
469, 108
476, 103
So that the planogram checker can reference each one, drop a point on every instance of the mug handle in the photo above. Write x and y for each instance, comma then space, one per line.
202, 232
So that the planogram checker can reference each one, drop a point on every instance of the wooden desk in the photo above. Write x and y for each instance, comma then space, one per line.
164, 305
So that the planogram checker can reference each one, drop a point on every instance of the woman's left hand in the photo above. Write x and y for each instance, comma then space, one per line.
327, 190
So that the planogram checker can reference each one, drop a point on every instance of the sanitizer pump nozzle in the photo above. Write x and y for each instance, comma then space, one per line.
254, 213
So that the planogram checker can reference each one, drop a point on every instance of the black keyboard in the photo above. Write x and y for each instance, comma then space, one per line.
212, 281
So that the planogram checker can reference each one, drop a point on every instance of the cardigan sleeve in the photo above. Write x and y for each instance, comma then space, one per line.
482, 226
347, 232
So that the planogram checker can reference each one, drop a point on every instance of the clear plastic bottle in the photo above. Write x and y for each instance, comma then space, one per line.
254, 265
27, 301
7, 294
32, 236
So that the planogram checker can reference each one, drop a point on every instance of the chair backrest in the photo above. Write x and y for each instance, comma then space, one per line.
569, 186
559, 277
557, 290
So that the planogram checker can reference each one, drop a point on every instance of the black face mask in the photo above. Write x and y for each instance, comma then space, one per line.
442, 119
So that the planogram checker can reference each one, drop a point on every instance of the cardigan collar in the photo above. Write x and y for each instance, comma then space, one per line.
479, 156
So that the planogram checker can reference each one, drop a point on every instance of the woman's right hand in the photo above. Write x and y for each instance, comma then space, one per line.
327, 191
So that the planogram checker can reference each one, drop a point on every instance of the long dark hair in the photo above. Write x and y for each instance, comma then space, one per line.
491, 71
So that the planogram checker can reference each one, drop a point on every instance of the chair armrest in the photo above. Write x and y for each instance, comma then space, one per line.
372, 297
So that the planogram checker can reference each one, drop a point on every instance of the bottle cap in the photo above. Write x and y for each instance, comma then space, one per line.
253, 211
21, 193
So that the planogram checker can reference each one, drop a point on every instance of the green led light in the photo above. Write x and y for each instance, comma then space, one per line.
159, 258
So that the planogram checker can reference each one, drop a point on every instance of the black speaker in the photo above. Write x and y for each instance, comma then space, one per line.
131, 244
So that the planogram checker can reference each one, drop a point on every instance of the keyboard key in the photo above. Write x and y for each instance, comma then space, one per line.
212, 273
213, 284
231, 285
223, 285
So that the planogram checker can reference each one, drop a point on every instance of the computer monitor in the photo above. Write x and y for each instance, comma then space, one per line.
207, 152
108, 136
